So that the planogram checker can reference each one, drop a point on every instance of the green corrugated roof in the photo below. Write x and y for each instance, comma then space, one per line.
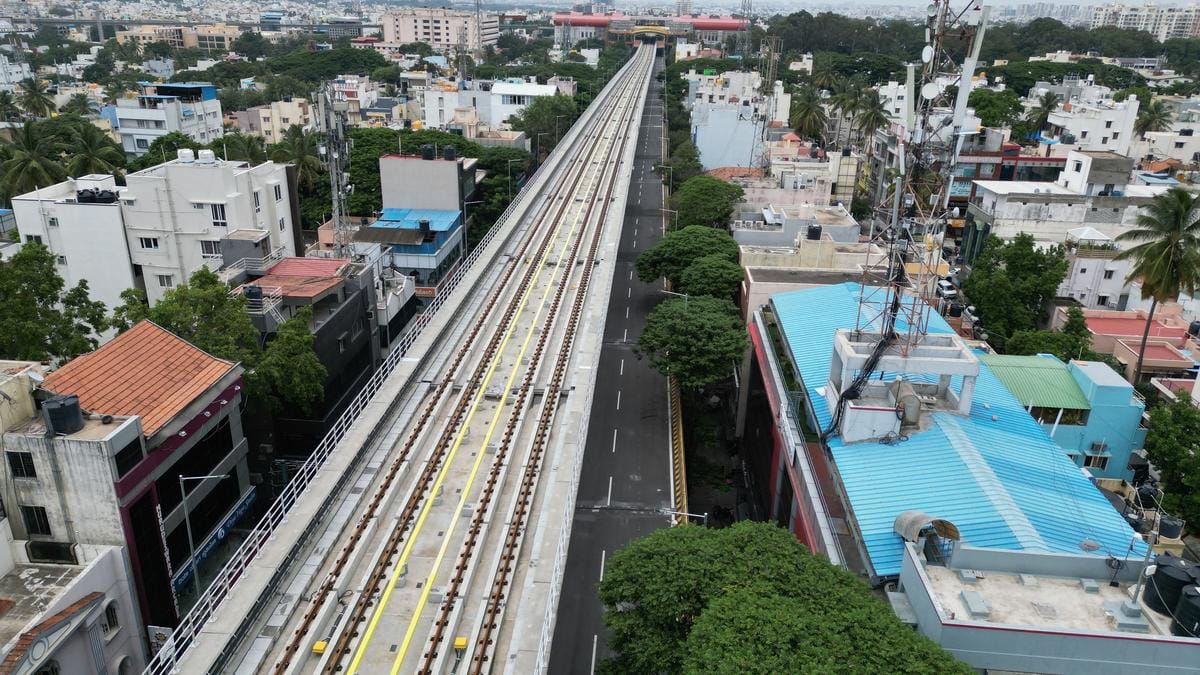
1040, 381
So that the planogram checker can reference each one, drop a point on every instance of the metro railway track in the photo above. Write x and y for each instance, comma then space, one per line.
417, 505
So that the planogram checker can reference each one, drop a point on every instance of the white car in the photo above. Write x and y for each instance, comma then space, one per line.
945, 289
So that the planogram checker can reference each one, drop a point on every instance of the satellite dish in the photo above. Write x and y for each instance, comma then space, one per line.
932, 9
927, 54
930, 91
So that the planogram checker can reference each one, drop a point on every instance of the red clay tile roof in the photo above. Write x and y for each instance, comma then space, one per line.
146, 371
295, 286
309, 267
15, 657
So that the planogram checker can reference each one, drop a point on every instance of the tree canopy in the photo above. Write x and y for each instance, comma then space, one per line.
705, 200
1011, 283
696, 340
996, 108
714, 275
672, 254
750, 599
1171, 446
1072, 341
289, 376
40, 318
546, 120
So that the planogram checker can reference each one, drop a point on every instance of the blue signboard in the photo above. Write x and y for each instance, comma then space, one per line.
205, 549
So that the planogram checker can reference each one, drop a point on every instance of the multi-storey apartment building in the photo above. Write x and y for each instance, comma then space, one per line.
442, 29
1162, 21
271, 121
191, 108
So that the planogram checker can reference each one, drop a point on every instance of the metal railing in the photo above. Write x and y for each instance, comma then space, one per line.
262, 304
167, 658
258, 265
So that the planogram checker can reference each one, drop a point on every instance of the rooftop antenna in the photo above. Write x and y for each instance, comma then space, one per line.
744, 36
335, 152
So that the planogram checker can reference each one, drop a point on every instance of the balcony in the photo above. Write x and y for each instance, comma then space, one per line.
257, 265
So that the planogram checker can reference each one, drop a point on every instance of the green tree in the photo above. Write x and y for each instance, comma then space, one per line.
995, 108
35, 97
871, 115
808, 117
92, 151
548, 118
1011, 283
33, 160
697, 340
1167, 255
164, 149
160, 49
39, 317
241, 147
750, 599
705, 200
1171, 447
1039, 115
844, 100
675, 252
79, 104
289, 376
713, 275
201, 311
8, 106
1072, 341
251, 45
299, 147
1153, 115
684, 162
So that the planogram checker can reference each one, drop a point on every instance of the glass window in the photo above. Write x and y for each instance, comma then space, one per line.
1108, 274
257, 201
33, 238
166, 280
149, 243
21, 464
208, 247
1095, 462
218, 215
52, 222
36, 521
278, 193
142, 144
112, 619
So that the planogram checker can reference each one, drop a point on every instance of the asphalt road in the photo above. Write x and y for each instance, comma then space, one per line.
625, 483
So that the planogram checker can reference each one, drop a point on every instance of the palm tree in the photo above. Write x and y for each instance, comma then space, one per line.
844, 101
808, 113
8, 106
1039, 115
1153, 117
92, 151
824, 79
871, 114
34, 160
80, 104
299, 147
242, 147
35, 98
1168, 257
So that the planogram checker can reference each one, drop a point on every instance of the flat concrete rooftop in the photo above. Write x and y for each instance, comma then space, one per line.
31, 589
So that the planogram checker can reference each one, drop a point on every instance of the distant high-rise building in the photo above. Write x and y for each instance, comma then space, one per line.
271, 21
441, 29
683, 7
1163, 22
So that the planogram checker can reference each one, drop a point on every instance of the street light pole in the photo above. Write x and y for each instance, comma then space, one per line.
537, 149
467, 224
670, 176
187, 521
679, 295
508, 166
557, 138
676, 226
703, 516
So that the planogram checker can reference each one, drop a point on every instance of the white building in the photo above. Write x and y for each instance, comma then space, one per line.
509, 97
80, 221
445, 101
179, 216
440, 28
191, 108
1181, 141
1085, 123
1163, 22
12, 72
357, 91
271, 121
1095, 278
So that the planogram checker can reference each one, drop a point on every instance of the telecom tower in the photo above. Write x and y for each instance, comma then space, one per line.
899, 280
335, 152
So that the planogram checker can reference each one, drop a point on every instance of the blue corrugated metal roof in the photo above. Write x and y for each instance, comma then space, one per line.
439, 220
1002, 481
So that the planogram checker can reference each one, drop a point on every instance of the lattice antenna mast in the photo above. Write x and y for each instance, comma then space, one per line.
744, 38
903, 261
335, 152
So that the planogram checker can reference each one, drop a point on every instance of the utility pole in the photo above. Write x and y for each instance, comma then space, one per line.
335, 153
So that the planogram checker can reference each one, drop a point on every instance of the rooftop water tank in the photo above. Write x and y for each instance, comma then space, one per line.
207, 157
449, 153
814, 232
186, 155
427, 151
1171, 575
1187, 613
62, 414
1194, 328
1170, 527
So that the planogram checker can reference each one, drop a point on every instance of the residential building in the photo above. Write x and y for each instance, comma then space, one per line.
1095, 277
441, 28
1180, 142
181, 215
728, 111
493, 103
1092, 123
988, 155
783, 226
1089, 410
1164, 22
81, 222
272, 120
1093, 190
191, 108
1168, 347
12, 72
357, 91
159, 68
99, 463
69, 608
509, 97
816, 176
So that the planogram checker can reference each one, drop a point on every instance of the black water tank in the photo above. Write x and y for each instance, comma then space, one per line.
814, 232
1187, 613
1148, 496
1170, 527
85, 196
1194, 328
427, 151
1171, 575
814, 152
63, 414
955, 310
106, 197
449, 153
845, 152
252, 292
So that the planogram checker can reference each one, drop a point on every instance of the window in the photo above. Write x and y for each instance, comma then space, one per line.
1083, 270
1095, 462
1102, 300
218, 215
36, 521
33, 239
142, 144
148, 243
52, 222
1178, 145
1116, 135
112, 620
51, 668
1104, 141
199, 206
1083, 134
1078, 167
1186, 132
210, 248
166, 280
21, 464
128, 457
278, 193
62, 260
1108, 274
282, 225
1108, 124
257, 202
